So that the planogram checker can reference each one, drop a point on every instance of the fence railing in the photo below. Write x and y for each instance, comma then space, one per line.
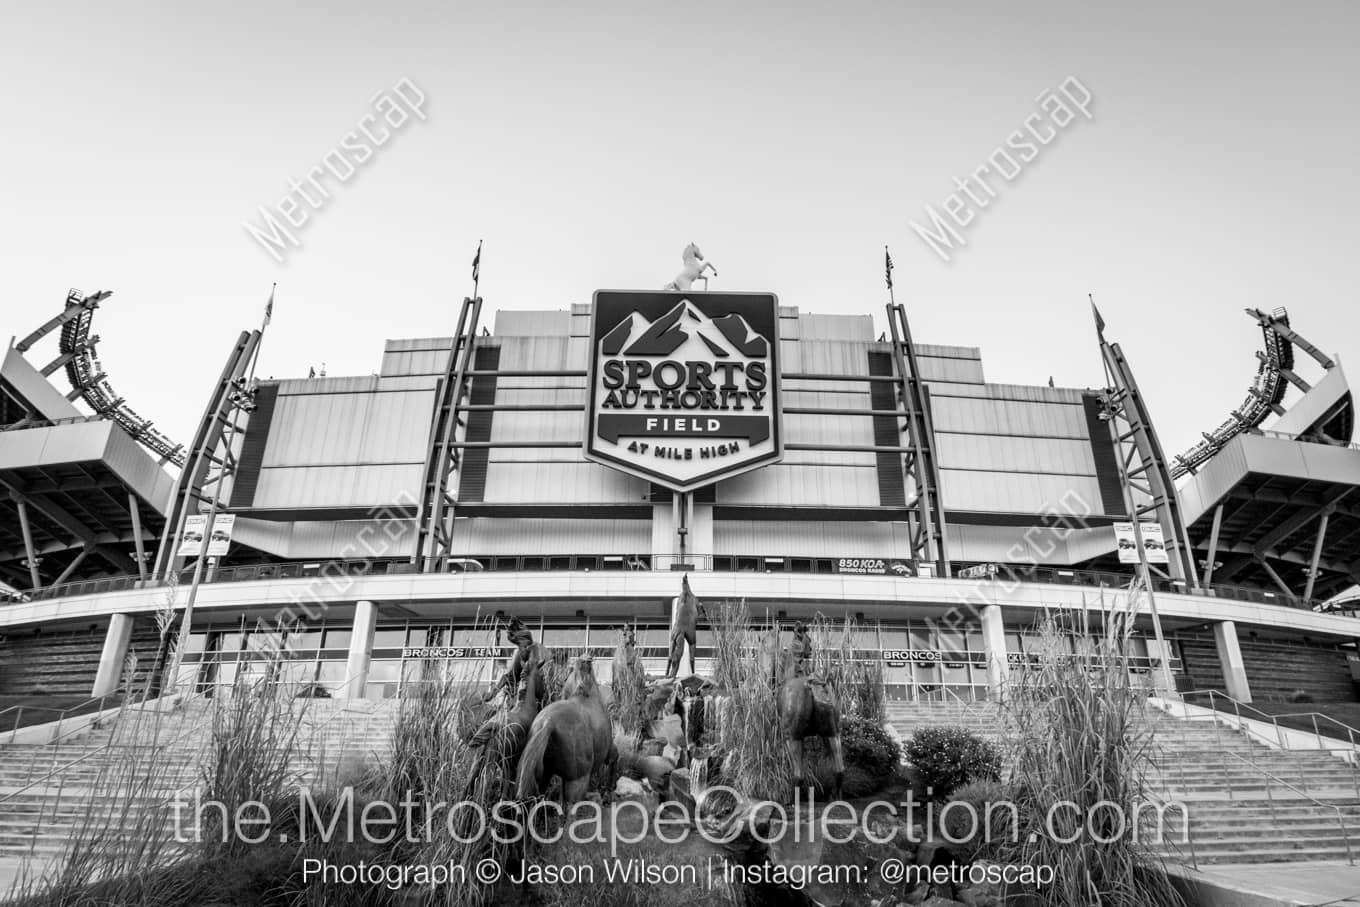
1005, 573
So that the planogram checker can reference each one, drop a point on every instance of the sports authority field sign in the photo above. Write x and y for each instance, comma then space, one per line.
684, 387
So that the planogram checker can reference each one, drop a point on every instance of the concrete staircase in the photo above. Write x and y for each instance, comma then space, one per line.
1246, 802
50, 792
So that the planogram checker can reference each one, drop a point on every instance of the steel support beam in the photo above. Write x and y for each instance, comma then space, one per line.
75, 562
1317, 553
1213, 544
135, 511
27, 530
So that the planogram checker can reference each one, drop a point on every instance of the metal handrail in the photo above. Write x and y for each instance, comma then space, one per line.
1352, 734
61, 713
316, 736
1340, 820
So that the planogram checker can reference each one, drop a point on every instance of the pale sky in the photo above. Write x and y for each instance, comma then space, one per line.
588, 143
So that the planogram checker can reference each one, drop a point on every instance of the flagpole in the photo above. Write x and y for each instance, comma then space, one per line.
476, 269
887, 275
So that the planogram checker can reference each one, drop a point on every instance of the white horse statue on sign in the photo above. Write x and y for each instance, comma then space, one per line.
695, 266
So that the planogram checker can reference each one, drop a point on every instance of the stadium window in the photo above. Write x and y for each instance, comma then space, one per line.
723, 564
197, 642
390, 638
304, 640
824, 565
533, 563
801, 565
747, 565
337, 639
613, 562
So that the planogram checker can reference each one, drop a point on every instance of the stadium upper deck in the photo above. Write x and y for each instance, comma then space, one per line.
333, 475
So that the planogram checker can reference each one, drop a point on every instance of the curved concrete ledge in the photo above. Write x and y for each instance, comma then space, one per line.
564, 592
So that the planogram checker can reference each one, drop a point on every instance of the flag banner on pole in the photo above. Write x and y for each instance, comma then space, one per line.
477, 262
269, 306
887, 267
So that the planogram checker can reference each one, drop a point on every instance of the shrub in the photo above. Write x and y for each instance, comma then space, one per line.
991, 820
1300, 696
946, 758
868, 746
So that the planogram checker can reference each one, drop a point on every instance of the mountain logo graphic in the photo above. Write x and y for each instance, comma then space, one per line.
684, 386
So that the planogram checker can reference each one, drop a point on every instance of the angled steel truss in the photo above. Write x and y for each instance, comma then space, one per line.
1144, 471
87, 378
928, 527
444, 454
1274, 374
212, 457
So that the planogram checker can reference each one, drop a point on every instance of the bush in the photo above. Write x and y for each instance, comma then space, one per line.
995, 822
1300, 696
867, 745
946, 758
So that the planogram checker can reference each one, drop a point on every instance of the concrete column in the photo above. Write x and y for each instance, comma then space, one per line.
1230, 658
360, 649
114, 655
994, 645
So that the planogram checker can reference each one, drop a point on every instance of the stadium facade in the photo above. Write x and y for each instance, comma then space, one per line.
836, 469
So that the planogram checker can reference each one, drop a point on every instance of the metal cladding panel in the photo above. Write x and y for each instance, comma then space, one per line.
341, 428
1203, 490
1313, 405
1015, 454
1009, 417
30, 384
338, 486
539, 352
1015, 492
511, 323
793, 485
811, 538
858, 328
821, 429
578, 482
1027, 545
329, 538
833, 357
482, 536
414, 362
963, 371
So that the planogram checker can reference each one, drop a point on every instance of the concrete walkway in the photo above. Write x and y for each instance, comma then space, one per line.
1311, 883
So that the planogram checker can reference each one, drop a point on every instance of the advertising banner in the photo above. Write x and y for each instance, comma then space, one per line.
1153, 544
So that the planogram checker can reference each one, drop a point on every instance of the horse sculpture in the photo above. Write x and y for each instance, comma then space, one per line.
570, 739
802, 715
504, 738
695, 265
684, 628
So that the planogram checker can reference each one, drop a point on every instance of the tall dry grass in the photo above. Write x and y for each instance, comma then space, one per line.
1076, 738
755, 760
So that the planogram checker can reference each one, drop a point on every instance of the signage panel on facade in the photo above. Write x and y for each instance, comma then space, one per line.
1153, 544
684, 387
875, 566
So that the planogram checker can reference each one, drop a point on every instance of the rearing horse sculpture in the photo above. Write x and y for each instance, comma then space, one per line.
694, 270
684, 628
505, 741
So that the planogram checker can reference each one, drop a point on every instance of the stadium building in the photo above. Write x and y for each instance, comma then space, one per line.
569, 466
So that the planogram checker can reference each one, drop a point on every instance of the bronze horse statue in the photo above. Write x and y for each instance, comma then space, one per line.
802, 715
502, 738
571, 739
684, 628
